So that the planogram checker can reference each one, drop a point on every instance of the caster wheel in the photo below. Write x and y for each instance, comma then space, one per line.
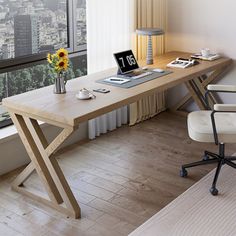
183, 173
205, 158
214, 191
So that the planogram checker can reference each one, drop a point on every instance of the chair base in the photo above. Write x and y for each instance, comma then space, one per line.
210, 158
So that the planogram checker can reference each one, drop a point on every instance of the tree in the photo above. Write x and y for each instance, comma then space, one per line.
49, 76
37, 73
19, 81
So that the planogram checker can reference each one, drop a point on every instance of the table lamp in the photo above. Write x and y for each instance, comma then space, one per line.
149, 32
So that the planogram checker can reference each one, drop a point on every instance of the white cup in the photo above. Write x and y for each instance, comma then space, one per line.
205, 52
84, 94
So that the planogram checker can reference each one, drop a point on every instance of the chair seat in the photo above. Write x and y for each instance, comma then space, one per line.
200, 127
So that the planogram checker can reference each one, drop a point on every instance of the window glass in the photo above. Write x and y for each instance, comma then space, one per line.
32, 26
81, 32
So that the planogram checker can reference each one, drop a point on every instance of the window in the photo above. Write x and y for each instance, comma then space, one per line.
29, 29
81, 30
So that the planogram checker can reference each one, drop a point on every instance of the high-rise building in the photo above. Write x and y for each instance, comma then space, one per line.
26, 35
4, 51
7, 50
51, 4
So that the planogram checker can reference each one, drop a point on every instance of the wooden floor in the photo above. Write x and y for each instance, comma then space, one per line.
120, 180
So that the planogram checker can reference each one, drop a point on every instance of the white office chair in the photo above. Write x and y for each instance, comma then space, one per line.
217, 126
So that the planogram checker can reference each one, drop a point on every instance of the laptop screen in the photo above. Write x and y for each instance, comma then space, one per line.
126, 61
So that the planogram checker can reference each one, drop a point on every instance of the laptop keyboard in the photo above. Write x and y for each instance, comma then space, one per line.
141, 75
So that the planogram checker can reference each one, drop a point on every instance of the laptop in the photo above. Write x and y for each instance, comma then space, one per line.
128, 66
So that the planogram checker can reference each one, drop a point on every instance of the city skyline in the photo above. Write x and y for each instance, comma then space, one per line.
51, 30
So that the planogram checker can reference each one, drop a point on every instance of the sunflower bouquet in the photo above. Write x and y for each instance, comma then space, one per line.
59, 61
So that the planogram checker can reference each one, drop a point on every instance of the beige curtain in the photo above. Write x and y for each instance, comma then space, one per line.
149, 13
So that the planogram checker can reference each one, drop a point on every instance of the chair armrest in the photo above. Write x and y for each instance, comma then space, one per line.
225, 107
221, 88
230, 108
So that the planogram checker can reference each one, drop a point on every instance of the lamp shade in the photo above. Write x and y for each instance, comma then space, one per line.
150, 31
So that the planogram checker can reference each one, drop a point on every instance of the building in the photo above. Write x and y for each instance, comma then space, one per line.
26, 35
4, 51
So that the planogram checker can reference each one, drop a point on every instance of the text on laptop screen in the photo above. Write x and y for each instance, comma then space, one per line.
126, 61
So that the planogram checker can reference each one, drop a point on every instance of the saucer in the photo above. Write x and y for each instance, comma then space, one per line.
85, 98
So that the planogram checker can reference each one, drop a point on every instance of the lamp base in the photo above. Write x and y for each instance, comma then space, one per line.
149, 61
149, 51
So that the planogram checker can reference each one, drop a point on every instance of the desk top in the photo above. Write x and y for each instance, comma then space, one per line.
66, 110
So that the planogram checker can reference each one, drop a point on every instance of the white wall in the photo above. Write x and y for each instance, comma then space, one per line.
13, 154
194, 24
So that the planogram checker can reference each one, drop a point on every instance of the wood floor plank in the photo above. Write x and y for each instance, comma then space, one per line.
7, 231
6, 189
81, 196
97, 181
128, 174
83, 224
22, 226
39, 218
116, 211
64, 228
90, 188
5, 212
111, 172
124, 228
98, 230
140, 208
80, 152
14, 206
91, 167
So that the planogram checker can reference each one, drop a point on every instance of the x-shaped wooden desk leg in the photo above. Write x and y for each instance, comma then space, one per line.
197, 89
46, 166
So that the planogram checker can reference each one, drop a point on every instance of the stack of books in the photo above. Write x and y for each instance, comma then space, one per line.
210, 57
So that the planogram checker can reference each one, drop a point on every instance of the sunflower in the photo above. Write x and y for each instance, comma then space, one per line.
66, 64
49, 58
61, 53
62, 65
59, 61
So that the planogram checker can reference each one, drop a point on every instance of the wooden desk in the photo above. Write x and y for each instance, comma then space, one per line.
67, 112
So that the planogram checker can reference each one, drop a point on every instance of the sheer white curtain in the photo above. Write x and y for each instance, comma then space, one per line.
109, 29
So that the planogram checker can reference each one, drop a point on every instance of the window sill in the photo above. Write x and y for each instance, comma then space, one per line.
8, 133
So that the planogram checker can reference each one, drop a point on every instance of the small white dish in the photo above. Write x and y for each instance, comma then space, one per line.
84, 94
158, 70
90, 96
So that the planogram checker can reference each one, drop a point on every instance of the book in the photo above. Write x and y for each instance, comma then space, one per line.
211, 57
116, 80
181, 63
